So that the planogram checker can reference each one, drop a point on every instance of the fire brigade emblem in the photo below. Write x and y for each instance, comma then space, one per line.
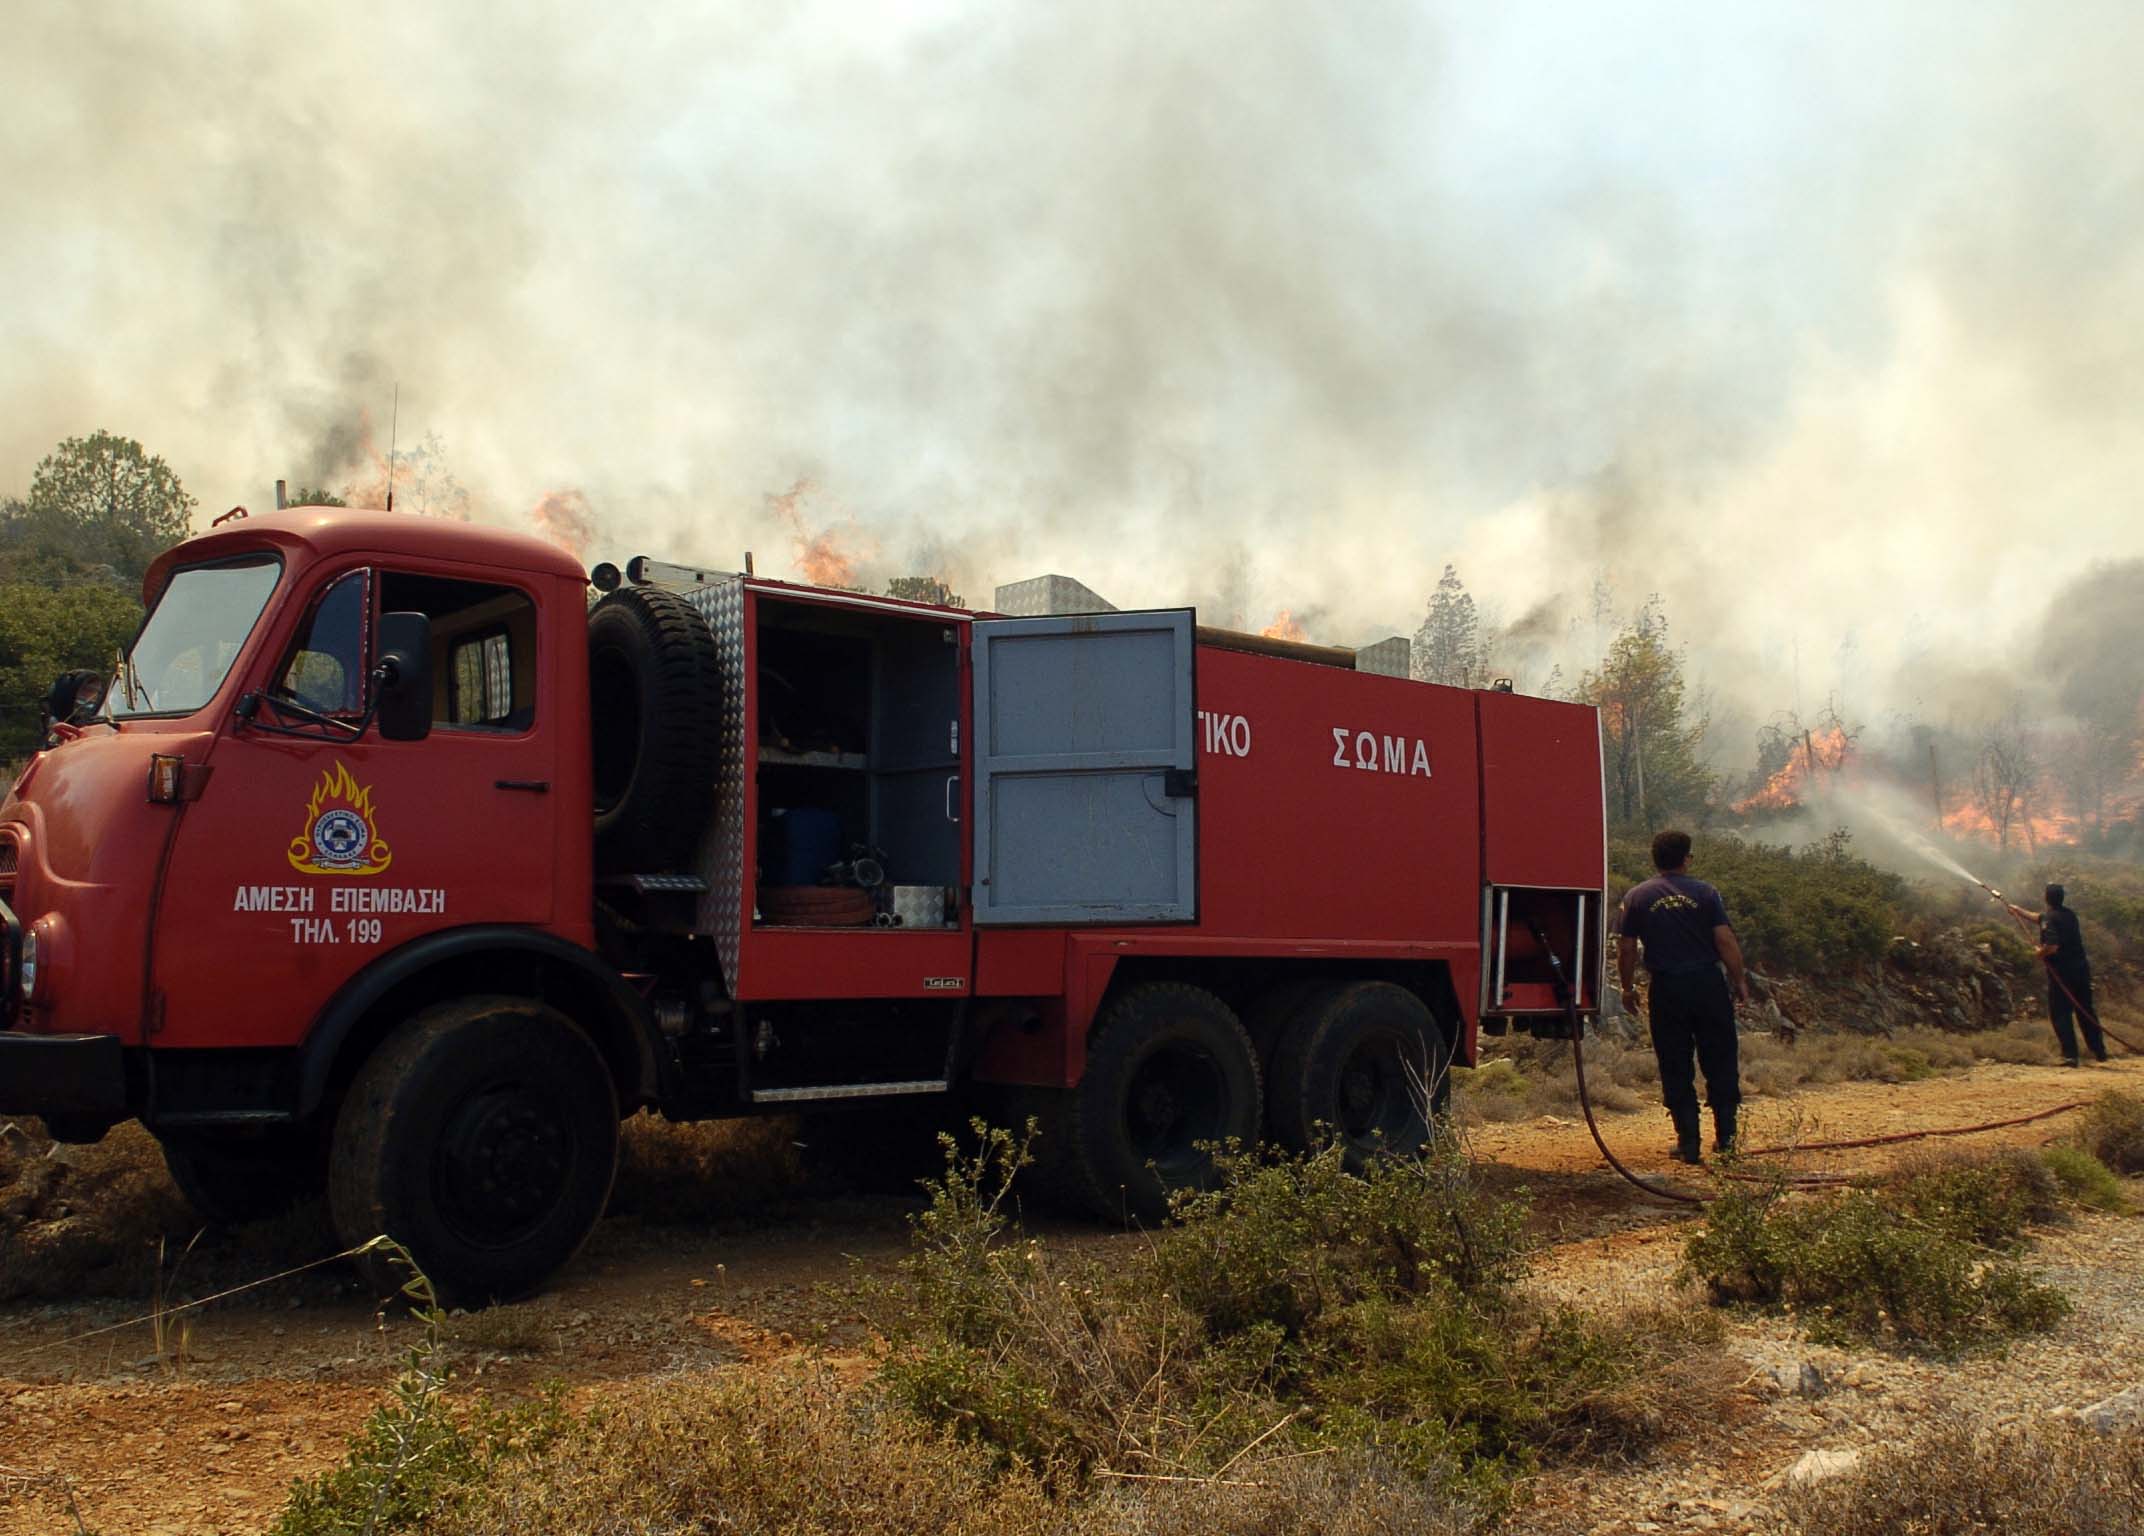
340, 836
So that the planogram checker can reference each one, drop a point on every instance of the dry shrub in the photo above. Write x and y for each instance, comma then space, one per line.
84, 1221
1535, 1077
526, 1329
782, 1451
2113, 1131
794, 1451
2021, 1042
1346, 1494
2046, 1479
671, 1173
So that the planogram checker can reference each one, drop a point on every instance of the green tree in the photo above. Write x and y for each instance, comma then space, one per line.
104, 499
45, 631
1649, 736
309, 496
1448, 648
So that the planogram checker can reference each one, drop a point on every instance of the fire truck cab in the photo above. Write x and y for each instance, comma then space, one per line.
401, 865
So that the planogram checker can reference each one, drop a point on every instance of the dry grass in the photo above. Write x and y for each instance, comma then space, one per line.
1522, 1078
670, 1174
2045, 1479
527, 1329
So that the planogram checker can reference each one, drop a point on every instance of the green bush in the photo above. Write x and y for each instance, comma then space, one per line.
1295, 1309
2084, 1178
1915, 1264
1796, 910
413, 1458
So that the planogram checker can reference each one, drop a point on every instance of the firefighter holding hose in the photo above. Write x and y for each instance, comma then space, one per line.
1695, 970
2069, 976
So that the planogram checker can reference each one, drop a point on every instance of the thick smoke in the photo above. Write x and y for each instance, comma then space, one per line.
1818, 323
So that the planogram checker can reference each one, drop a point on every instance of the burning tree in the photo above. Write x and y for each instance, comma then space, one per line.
1649, 737
1796, 762
2004, 773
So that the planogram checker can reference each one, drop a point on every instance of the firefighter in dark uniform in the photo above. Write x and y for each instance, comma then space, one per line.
2069, 977
1694, 966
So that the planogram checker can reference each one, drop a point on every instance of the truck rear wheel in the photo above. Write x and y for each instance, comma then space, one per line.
230, 1179
483, 1137
1170, 1071
1361, 1063
655, 700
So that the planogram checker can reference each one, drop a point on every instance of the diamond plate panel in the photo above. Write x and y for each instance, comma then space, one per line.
720, 860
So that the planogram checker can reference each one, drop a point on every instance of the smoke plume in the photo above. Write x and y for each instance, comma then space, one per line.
1819, 323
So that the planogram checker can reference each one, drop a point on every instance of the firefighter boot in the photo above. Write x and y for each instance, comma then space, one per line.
1723, 1129
1687, 1149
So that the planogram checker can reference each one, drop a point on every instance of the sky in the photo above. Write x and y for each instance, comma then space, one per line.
1824, 322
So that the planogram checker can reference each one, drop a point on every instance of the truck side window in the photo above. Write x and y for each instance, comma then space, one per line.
483, 648
481, 684
324, 670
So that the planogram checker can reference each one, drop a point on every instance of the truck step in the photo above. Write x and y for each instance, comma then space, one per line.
847, 1091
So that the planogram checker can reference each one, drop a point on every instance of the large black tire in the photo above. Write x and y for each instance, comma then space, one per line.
1170, 1072
232, 1178
482, 1136
1354, 1065
655, 702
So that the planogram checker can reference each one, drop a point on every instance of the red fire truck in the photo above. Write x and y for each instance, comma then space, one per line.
402, 864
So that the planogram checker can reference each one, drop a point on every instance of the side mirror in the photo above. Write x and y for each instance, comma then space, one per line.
404, 677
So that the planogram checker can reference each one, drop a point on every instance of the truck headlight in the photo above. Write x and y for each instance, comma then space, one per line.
28, 980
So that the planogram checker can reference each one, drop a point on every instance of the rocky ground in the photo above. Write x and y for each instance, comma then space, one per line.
198, 1424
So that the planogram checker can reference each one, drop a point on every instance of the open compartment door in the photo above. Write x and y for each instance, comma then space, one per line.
1085, 754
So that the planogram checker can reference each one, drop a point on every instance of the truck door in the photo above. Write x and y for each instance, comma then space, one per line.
314, 849
1085, 752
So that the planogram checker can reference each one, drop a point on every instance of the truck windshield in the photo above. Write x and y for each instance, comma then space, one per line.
196, 631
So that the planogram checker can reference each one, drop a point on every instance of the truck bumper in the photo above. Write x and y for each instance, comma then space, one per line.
79, 1077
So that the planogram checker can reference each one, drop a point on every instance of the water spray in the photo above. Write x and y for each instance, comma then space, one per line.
1911, 840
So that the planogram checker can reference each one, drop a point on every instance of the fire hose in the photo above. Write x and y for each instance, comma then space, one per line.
1567, 995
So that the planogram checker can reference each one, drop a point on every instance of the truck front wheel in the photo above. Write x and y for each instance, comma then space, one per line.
483, 1137
1362, 1063
1170, 1072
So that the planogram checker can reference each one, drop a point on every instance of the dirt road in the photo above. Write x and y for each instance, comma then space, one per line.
268, 1385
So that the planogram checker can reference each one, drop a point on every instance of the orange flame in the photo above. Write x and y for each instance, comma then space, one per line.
1790, 787
1283, 627
565, 519
2029, 827
820, 557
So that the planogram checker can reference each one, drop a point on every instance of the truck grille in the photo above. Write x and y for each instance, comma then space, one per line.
8, 856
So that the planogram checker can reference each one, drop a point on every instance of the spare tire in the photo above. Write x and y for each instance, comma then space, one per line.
655, 717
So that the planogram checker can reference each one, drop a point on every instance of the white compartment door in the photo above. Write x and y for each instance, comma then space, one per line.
1085, 759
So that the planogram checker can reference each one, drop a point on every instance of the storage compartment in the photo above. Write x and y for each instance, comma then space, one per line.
858, 763
1517, 978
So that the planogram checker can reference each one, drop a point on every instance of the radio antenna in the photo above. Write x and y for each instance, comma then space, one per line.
394, 426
